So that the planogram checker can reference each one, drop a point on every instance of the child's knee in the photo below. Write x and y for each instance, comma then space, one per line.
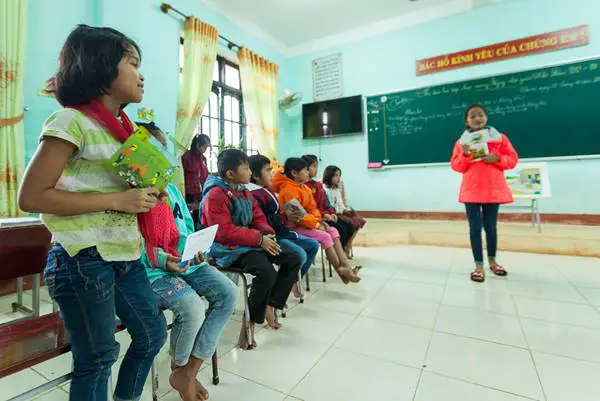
230, 295
190, 310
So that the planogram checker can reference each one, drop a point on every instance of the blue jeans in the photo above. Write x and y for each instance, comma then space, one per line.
196, 332
306, 247
483, 215
90, 292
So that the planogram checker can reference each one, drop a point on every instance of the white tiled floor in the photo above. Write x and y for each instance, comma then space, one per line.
415, 329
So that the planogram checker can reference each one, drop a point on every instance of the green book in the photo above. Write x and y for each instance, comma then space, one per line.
144, 162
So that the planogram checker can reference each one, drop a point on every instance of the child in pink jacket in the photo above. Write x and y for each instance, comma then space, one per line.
484, 188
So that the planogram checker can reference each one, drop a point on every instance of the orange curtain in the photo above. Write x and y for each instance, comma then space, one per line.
259, 89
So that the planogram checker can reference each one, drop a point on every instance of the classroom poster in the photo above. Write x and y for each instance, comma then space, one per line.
327, 77
529, 180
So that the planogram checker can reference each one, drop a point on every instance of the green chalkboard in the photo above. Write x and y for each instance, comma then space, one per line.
547, 112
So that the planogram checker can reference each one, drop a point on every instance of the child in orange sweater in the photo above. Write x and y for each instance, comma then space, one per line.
290, 185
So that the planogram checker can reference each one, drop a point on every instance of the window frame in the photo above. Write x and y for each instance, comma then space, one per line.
223, 91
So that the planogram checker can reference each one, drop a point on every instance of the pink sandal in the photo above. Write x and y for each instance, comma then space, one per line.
478, 276
498, 270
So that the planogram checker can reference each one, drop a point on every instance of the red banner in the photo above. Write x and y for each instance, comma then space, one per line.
543, 43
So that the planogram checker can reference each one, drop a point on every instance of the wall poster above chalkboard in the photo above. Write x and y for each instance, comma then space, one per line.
549, 112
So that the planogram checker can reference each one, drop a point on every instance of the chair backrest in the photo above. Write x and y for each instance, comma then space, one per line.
23, 251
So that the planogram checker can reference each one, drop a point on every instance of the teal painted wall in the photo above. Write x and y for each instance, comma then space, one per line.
157, 34
387, 62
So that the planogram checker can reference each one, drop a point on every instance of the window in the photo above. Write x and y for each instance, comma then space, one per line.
223, 118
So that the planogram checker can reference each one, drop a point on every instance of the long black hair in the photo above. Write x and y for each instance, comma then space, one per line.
294, 164
88, 63
329, 173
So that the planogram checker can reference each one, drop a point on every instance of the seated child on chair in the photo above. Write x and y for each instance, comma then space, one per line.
290, 186
345, 228
195, 332
245, 239
332, 181
307, 248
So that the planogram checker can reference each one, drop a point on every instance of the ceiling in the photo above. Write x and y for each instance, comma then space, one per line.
296, 26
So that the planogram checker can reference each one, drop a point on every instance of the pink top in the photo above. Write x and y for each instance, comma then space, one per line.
483, 182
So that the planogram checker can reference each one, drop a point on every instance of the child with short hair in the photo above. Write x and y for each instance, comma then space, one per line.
195, 332
93, 270
345, 228
332, 178
290, 186
261, 180
245, 239
484, 187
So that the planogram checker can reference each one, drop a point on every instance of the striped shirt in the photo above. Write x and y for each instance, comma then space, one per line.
115, 235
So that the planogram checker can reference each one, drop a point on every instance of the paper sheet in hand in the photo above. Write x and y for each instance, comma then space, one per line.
199, 242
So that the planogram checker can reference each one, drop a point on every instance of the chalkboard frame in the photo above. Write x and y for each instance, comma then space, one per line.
418, 165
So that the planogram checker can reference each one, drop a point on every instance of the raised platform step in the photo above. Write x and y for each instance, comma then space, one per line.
555, 239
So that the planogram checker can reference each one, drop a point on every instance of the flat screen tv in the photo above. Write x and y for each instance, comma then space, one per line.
331, 118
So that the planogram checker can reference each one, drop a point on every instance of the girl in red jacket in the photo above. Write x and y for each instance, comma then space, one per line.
484, 187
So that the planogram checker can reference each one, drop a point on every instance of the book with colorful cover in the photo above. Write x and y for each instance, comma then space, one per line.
144, 162
477, 142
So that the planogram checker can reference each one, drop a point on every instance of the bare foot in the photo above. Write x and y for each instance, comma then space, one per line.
243, 341
347, 275
270, 318
356, 270
201, 391
296, 291
184, 385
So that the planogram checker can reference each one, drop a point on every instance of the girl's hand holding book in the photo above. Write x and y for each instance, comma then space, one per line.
293, 214
466, 150
491, 158
136, 200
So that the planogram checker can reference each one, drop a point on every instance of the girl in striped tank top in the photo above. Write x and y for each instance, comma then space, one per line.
93, 270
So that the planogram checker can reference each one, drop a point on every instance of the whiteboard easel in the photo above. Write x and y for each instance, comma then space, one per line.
530, 181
